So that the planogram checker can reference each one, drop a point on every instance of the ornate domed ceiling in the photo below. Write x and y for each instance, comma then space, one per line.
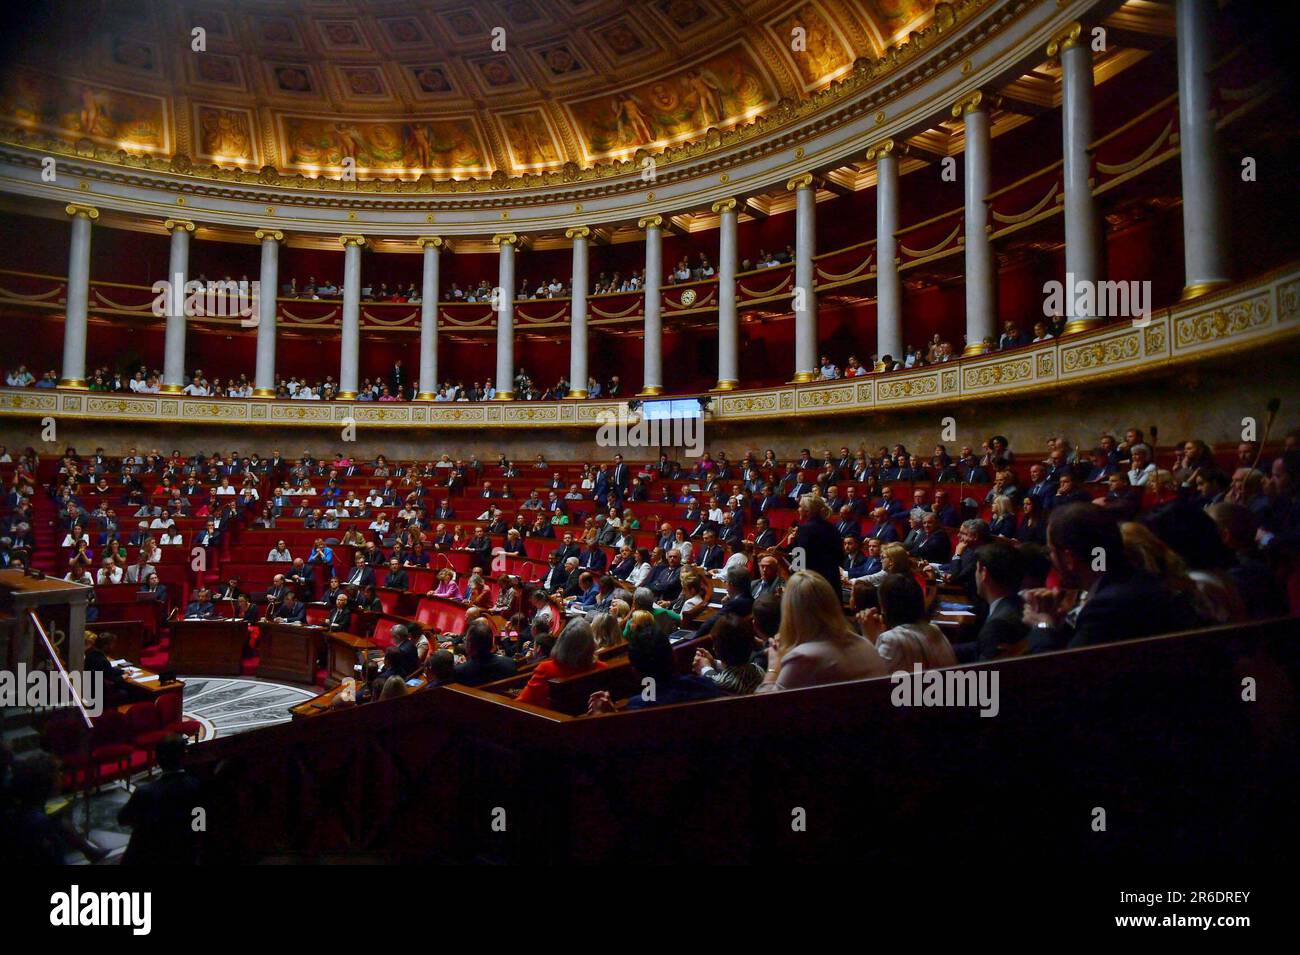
445, 88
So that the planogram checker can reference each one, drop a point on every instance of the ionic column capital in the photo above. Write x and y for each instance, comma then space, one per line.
349, 240
577, 232
76, 209
885, 148
425, 241
802, 181
171, 225
976, 101
1066, 39
650, 222
274, 234
505, 238
724, 205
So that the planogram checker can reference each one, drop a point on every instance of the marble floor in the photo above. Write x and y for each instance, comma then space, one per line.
223, 706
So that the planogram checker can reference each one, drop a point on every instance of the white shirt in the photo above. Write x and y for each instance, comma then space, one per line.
1139, 477
910, 643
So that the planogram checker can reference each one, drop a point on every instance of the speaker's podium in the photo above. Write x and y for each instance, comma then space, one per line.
207, 647
288, 651
56, 601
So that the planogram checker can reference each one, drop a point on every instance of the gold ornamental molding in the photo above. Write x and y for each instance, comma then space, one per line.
881, 149
1067, 39
75, 209
650, 222
505, 238
263, 234
578, 232
171, 225
347, 240
724, 205
976, 101
801, 181
903, 64
436, 241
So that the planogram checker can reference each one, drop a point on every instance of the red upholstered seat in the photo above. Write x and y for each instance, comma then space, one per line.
170, 718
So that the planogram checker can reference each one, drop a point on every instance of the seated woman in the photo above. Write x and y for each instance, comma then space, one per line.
910, 638
815, 644
608, 629
514, 543
574, 653
477, 593
1004, 518
696, 591
733, 669
446, 584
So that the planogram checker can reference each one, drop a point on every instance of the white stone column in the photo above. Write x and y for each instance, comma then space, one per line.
578, 313
728, 319
805, 299
1082, 246
77, 311
268, 291
1205, 252
653, 376
981, 290
889, 289
350, 353
429, 291
505, 299
178, 268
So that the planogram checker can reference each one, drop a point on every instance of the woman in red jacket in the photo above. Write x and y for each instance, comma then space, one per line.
574, 653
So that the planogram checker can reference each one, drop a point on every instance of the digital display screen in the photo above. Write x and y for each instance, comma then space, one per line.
671, 408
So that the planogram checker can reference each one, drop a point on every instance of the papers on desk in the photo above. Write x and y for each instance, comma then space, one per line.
146, 679
948, 606
957, 613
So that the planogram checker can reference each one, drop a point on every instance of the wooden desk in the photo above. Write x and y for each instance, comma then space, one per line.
288, 651
345, 651
147, 685
208, 647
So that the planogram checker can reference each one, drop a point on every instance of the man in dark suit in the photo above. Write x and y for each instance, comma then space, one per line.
892, 505
480, 549
882, 528
999, 572
445, 511
1123, 603
161, 813
481, 664
200, 606
1066, 493
710, 556
556, 576
340, 615
739, 599
567, 549
591, 557
291, 609
854, 563
230, 591
1040, 488
361, 575
153, 590
948, 515
408, 655
666, 580
934, 546
764, 536
396, 578
847, 525
621, 474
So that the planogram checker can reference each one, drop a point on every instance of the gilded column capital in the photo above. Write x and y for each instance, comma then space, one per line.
505, 238
1067, 39
976, 101
347, 240
886, 147
724, 205
577, 232
171, 225
263, 234
75, 209
436, 241
650, 222
802, 181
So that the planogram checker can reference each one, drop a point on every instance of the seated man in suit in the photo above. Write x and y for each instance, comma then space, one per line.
153, 590
882, 528
847, 526
948, 515
971, 538
291, 609
1066, 493
873, 564
854, 564
340, 613
397, 577
999, 572
892, 505
711, 555
769, 578
592, 557
739, 600
482, 664
361, 573
934, 545
200, 606
764, 536
1123, 602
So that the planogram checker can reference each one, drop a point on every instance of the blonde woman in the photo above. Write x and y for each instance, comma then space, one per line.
620, 610
607, 630
696, 591
815, 644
